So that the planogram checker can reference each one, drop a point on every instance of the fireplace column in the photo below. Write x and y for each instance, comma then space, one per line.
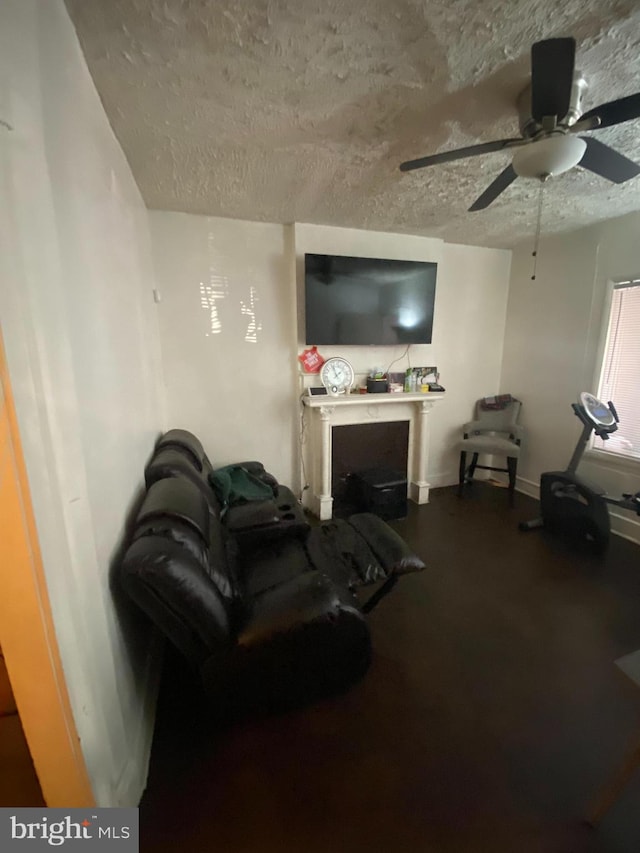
325, 498
419, 487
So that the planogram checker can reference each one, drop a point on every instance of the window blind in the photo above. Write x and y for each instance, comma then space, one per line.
620, 379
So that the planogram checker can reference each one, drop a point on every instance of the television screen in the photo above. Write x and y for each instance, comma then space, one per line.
373, 301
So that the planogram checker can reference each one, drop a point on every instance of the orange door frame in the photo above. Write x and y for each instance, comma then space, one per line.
27, 634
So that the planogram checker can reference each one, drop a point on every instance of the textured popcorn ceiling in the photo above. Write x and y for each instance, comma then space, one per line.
301, 110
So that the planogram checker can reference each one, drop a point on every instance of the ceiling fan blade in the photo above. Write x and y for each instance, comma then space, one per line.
494, 189
552, 64
615, 112
607, 163
461, 153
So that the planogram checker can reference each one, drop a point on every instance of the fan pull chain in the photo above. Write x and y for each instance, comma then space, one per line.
536, 241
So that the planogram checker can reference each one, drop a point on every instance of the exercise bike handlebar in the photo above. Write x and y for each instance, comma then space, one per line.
613, 411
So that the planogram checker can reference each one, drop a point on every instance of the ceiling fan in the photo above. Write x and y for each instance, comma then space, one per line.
550, 121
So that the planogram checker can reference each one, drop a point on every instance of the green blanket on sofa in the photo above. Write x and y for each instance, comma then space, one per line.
233, 484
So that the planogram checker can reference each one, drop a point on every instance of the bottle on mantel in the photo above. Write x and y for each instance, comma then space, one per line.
409, 381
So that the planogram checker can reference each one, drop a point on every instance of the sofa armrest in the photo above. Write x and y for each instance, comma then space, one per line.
473, 426
258, 522
249, 516
516, 432
171, 587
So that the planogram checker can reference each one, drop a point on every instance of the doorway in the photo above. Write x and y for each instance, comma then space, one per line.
19, 785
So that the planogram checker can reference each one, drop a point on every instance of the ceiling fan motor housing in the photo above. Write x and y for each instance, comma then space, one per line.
529, 126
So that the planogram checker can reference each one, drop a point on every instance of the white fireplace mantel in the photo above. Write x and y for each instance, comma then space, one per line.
324, 412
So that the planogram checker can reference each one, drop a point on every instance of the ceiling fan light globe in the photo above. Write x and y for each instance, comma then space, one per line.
551, 156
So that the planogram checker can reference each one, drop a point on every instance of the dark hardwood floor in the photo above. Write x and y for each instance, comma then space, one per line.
489, 720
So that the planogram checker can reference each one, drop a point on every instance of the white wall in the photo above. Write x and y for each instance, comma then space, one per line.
226, 320
239, 391
80, 330
551, 348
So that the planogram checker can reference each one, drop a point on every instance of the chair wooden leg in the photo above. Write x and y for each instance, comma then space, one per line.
472, 467
512, 465
463, 466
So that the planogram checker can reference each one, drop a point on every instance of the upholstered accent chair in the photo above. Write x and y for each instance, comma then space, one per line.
493, 432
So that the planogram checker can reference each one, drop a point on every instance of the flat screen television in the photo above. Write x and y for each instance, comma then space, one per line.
368, 301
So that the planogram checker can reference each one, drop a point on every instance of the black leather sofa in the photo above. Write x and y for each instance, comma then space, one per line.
265, 606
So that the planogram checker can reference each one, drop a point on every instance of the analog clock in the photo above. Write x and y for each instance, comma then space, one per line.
337, 376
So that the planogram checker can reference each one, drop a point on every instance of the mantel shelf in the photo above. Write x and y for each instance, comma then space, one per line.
318, 400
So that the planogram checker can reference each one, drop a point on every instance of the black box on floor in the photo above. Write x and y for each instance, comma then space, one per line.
381, 491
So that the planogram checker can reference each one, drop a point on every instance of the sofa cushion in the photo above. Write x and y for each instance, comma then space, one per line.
170, 462
187, 444
389, 547
301, 640
177, 510
177, 498
273, 563
360, 550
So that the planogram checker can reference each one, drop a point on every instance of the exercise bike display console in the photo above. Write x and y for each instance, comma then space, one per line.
604, 417
570, 505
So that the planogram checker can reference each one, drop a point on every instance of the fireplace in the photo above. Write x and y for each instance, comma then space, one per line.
359, 447
325, 414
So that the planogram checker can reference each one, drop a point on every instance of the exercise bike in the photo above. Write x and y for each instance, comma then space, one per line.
568, 504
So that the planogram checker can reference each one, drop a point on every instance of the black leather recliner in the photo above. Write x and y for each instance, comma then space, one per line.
268, 616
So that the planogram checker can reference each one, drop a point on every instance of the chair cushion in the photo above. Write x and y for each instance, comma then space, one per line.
489, 444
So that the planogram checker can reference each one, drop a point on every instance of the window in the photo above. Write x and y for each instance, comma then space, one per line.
620, 376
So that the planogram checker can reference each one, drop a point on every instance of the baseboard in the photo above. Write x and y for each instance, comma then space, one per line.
626, 526
439, 481
528, 487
